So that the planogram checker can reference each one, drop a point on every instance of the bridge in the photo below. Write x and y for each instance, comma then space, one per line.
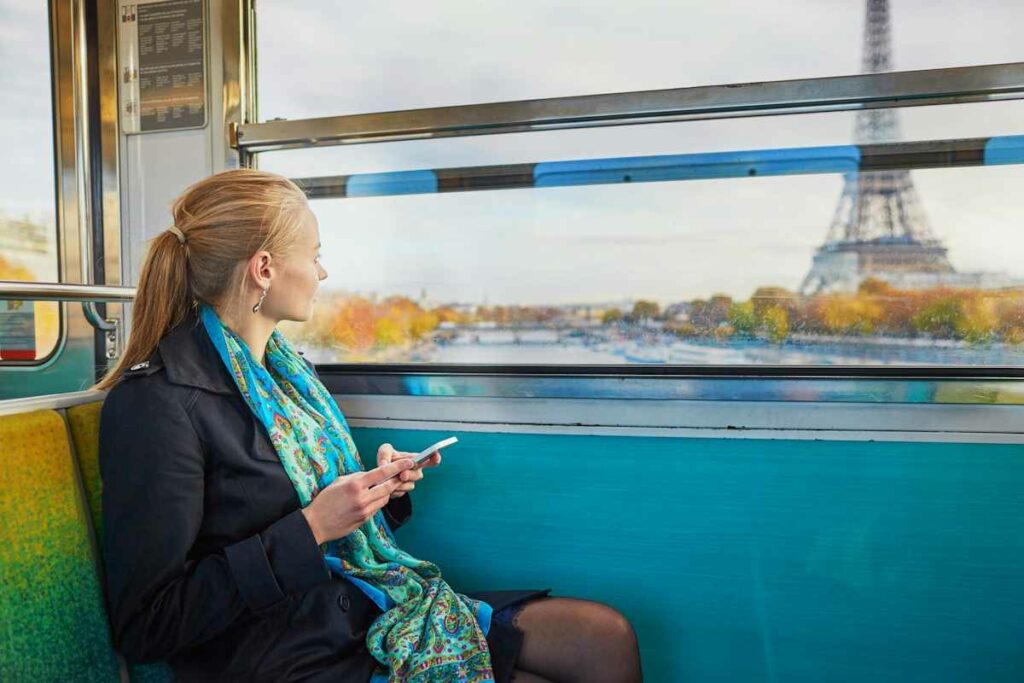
531, 333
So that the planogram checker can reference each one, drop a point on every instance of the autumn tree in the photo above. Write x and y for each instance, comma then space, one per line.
612, 315
645, 310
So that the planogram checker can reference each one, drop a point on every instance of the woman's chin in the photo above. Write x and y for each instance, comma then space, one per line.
300, 316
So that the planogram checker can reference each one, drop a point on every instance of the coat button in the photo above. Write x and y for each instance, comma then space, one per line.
344, 602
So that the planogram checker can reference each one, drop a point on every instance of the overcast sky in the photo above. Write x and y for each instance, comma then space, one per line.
666, 241
26, 130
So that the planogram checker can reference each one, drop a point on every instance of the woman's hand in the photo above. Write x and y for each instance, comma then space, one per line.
350, 500
387, 454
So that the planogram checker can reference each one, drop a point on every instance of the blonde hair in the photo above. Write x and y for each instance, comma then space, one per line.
225, 219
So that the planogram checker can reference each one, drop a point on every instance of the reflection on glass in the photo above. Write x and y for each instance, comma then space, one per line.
28, 249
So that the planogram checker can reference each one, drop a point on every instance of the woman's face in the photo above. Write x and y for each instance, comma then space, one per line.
297, 276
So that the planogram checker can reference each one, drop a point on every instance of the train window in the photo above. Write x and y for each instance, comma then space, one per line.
580, 261
29, 331
707, 272
391, 55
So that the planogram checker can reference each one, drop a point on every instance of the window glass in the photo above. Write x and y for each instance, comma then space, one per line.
28, 231
699, 272
759, 270
392, 54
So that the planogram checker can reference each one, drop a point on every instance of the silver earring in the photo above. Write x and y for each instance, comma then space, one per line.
256, 308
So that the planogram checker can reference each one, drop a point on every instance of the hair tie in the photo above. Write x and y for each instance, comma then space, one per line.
179, 233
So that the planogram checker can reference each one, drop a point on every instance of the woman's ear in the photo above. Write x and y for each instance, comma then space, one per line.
261, 268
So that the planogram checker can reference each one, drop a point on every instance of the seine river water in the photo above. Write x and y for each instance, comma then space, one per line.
549, 347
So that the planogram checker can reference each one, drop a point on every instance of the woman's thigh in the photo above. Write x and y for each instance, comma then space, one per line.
566, 639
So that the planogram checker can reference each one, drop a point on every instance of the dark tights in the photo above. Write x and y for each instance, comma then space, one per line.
568, 641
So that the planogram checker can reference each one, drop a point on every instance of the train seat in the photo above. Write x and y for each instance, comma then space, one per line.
84, 423
53, 625
53, 622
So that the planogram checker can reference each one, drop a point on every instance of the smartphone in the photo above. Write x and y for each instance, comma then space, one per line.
424, 455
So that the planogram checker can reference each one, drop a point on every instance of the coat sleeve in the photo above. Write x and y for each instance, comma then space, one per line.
161, 598
398, 510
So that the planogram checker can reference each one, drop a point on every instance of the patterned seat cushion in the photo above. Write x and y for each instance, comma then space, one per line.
84, 421
52, 620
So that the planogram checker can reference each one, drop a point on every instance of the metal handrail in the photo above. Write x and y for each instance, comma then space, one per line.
836, 93
57, 291
664, 167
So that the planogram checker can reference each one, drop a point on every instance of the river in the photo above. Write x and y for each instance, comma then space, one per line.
549, 347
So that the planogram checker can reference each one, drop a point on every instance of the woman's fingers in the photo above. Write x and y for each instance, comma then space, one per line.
385, 476
409, 479
406, 480
413, 474
385, 454
378, 496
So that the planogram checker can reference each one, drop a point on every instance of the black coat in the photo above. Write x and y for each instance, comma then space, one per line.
210, 564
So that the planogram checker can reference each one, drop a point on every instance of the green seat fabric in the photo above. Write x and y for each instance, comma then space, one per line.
53, 626
84, 421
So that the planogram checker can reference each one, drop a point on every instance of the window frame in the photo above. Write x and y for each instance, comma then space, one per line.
896, 89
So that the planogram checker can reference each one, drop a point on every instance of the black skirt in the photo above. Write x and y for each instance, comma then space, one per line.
504, 640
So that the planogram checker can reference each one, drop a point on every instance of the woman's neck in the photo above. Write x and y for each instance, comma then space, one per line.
253, 328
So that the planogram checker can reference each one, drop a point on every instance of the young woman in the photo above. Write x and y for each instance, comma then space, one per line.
243, 537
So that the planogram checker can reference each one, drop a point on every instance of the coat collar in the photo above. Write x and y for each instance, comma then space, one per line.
190, 358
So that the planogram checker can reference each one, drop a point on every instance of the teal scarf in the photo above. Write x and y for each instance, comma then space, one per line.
427, 633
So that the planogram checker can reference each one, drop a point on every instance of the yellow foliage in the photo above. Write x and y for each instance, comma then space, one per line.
388, 332
775, 321
362, 330
12, 271
845, 314
979, 320
773, 297
47, 313
423, 323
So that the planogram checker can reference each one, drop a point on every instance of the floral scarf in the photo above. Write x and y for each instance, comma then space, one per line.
427, 633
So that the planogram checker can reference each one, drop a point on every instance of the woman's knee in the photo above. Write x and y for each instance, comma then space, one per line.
599, 625
610, 627
569, 639
614, 645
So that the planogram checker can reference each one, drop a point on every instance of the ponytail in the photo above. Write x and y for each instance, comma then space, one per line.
161, 301
219, 223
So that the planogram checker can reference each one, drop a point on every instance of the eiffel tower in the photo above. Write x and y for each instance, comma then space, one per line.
879, 229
